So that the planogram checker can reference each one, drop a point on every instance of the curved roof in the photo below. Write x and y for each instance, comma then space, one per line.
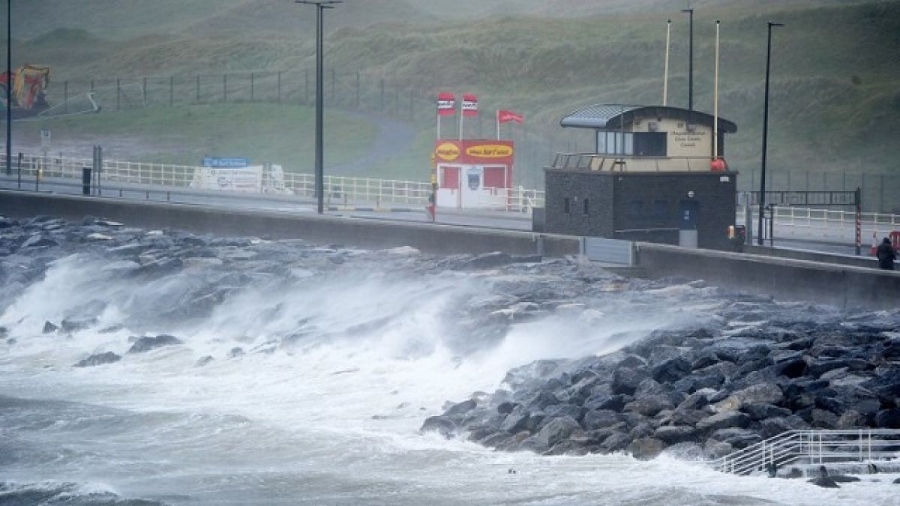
612, 116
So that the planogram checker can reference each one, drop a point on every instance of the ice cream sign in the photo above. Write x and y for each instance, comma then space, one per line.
489, 151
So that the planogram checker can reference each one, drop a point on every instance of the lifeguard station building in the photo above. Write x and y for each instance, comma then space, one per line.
657, 174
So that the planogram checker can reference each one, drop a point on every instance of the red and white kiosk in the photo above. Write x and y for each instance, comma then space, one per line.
473, 173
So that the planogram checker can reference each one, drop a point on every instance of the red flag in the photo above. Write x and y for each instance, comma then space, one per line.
507, 116
469, 105
446, 104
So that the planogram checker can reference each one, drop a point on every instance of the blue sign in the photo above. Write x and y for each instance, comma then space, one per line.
225, 163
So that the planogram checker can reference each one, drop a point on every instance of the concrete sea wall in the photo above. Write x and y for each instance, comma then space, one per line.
427, 237
819, 280
815, 281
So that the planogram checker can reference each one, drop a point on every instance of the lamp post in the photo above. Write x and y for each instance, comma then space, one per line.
9, 84
321, 5
765, 134
690, 13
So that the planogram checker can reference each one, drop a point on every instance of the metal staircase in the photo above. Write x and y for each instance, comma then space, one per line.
808, 447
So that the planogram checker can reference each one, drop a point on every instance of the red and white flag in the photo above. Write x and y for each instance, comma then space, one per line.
469, 105
446, 104
504, 116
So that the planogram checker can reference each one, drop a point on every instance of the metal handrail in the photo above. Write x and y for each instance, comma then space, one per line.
339, 190
813, 447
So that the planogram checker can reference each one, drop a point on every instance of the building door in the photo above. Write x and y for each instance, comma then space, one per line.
688, 220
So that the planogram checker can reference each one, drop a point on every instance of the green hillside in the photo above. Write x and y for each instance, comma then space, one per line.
833, 104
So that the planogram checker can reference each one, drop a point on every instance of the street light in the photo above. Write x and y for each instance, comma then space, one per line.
765, 134
690, 13
321, 5
9, 84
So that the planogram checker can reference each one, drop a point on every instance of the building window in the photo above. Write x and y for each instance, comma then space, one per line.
627, 143
586, 207
650, 144
566, 208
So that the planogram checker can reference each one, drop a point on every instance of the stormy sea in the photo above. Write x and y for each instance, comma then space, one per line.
150, 367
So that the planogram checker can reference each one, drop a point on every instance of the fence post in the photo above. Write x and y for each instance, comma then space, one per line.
65, 97
381, 104
357, 90
306, 89
279, 86
397, 100
118, 93
225, 88
333, 89
145, 91
171, 91
251, 86
198, 88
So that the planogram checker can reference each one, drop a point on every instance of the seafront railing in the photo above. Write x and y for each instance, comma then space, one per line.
339, 190
825, 224
813, 447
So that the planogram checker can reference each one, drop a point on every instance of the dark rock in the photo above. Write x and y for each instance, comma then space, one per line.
49, 327
236, 352
615, 442
759, 412
646, 448
599, 419
461, 408
515, 421
145, 344
557, 430
888, 419
572, 411
674, 434
606, 401
505, 408
440, 424
773, 426
626, 380
671, 370
98, 359
724, 420
203, 361
650, 405
77, 323
737, 438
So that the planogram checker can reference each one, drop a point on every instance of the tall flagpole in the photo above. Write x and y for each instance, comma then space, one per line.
461, 116
716, 100
666, 71
497, 120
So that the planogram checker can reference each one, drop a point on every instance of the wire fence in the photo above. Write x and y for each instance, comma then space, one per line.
366, 91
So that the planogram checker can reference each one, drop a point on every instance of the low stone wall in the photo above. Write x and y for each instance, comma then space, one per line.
830, 283
427, 237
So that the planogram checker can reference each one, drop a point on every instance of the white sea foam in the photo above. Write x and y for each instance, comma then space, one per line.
332, 415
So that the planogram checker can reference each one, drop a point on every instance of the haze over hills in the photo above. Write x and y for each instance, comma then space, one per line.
834, 102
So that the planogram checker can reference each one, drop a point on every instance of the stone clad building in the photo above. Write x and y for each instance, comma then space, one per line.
655, 175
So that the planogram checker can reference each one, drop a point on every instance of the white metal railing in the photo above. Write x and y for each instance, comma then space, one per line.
813, 447
339, 190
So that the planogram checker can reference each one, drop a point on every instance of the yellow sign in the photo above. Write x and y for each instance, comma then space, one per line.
489, 151
447, 151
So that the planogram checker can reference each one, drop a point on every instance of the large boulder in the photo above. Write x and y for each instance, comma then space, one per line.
557, 430
98, 359
145, 344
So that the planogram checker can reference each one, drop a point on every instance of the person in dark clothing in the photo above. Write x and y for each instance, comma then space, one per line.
886, 255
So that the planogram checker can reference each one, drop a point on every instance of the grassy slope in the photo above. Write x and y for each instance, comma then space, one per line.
833, 103
185, 135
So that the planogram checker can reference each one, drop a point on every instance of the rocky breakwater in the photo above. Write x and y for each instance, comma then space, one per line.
697, 394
